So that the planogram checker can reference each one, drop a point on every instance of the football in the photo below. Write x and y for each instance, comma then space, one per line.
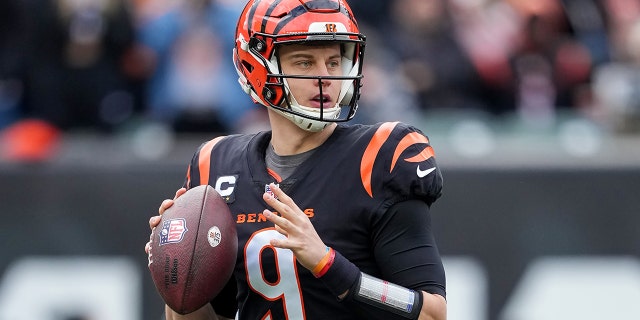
193, 250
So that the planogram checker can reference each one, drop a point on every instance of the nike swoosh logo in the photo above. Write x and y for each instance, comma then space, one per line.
424, 173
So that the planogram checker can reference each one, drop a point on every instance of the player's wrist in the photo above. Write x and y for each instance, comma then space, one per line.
325, 263
338, 273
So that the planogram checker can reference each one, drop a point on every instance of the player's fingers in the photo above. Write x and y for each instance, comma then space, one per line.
147, 247
166, 204
281, 203
154, 221
283, 243
283, 197
273, 202
286, 218
281, 231
180, 192
278, 243
279, 222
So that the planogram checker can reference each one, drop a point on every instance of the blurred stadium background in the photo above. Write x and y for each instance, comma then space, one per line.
533, 108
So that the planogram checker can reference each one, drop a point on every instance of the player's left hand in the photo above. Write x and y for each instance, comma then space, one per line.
301, 236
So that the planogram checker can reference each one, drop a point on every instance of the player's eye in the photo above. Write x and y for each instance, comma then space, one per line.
333, 64
304, 64
334, 67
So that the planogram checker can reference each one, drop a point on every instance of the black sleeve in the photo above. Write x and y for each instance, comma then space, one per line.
406, 250
406, 255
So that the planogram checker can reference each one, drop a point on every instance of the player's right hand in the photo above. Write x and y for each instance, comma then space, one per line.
155, 220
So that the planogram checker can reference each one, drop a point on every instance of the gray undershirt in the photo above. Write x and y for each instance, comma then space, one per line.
284, 166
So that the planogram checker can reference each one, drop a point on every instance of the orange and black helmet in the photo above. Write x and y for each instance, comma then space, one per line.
265, 24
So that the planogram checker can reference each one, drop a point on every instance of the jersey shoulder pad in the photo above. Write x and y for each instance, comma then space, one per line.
399, 164
207, 155
200, 165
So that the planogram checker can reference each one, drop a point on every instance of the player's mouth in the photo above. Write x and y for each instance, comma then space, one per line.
321, 101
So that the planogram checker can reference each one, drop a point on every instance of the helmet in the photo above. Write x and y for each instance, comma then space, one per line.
266, 24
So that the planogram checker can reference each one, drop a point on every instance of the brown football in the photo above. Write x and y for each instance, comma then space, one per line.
193, 250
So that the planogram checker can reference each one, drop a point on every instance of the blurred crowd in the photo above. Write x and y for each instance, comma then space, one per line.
109, 65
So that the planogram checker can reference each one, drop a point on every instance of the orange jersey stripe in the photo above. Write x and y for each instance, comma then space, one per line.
409, 140
188, 176
274, 175
370, 154
204, 160
423, 155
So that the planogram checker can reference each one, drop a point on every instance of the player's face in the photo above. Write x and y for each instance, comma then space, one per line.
313, 61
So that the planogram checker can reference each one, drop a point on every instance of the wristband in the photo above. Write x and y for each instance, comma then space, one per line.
325, 263
321, 263
339, 275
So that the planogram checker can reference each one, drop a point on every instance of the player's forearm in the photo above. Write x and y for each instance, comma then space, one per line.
434, 307
204, 313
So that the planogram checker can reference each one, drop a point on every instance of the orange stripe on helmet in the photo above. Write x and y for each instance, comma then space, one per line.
371, 152
204, 160
409, 140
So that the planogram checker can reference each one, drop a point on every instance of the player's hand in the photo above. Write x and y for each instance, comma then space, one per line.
155, 220
301, 236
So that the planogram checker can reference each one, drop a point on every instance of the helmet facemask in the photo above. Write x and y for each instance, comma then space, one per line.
314, 118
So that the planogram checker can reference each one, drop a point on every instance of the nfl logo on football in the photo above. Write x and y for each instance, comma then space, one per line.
173, 231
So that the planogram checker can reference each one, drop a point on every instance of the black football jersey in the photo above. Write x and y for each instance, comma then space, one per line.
344, 188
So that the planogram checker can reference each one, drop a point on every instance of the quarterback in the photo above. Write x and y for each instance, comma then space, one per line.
333, 219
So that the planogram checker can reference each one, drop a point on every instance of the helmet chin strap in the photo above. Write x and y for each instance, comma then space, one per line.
305, 123
347, 87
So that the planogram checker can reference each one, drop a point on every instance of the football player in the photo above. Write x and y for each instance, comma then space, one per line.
333, 220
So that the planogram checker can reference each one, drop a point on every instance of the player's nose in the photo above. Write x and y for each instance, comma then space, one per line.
322, 79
